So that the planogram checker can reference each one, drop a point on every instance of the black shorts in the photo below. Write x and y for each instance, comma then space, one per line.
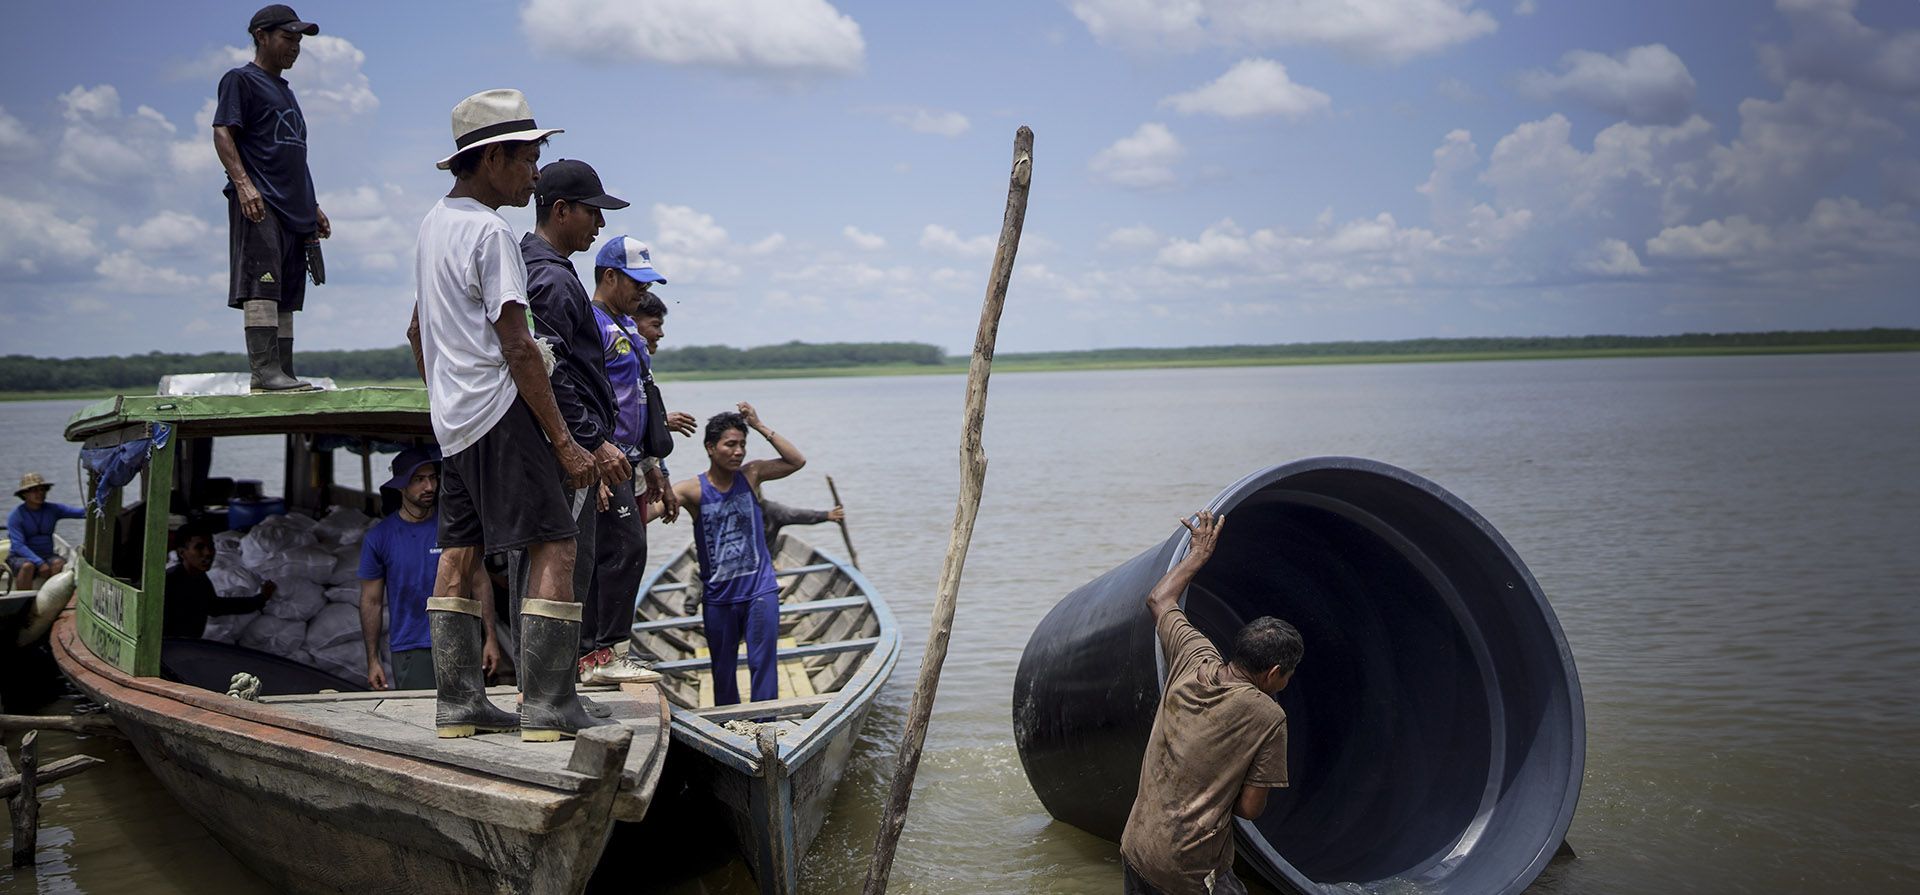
506, 490
268, 263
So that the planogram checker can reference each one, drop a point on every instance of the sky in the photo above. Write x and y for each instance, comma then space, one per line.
1205, 171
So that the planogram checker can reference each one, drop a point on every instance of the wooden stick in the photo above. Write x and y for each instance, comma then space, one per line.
853, 556
55, 770
68, 723
973, 475
26, 802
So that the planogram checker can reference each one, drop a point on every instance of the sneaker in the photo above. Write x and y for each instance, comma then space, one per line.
602, 667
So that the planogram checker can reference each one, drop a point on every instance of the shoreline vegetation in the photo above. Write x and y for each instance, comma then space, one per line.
31, 378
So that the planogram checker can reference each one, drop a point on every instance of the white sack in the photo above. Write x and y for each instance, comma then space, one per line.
346, 566
233, 581
336, 624
348, 660
345, 593
273, 537
227, 628
344, 525
279, 636
296, 599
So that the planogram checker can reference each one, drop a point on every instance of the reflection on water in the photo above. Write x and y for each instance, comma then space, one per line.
1728, 543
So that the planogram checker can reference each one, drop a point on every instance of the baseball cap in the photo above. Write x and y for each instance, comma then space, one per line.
630, 255
574, 181
405, 462
281, 16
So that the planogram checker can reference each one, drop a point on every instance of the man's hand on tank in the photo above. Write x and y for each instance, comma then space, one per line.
1205, 528
613, 464
576, 465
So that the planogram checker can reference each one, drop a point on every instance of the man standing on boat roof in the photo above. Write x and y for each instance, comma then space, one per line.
568, 204
1219, 739
273, 218
740, 594
399, 558
511, 461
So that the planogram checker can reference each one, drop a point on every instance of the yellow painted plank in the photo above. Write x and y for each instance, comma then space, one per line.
791, 673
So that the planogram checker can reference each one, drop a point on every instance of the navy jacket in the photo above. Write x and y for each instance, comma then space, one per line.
563, 313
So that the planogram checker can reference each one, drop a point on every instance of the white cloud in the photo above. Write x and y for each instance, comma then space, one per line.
366, 228
123, 272
679, 228
1137, 238
101, 145
1789, 149
1525, 8
1612, 258
929, 121
15, 139
1251, 88
1829, 44
1389, 30
1536, 167
166, 231
865, 241
36, 238
90, 103
1647, 84
1142, 160
790, 36
1733, 237
1457, 90
772, 243
1839, 239
941, 239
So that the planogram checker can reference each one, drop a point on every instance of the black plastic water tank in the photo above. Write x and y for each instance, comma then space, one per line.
1437, 735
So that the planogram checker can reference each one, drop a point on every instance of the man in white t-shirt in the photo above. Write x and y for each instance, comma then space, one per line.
512, 471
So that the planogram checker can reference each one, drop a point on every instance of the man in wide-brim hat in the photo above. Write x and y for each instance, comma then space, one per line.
30, 555
511, 462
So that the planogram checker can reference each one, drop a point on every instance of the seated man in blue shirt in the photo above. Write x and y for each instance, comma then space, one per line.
30, 555
398, 559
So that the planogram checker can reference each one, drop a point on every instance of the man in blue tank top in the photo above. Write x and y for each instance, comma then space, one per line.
742, 596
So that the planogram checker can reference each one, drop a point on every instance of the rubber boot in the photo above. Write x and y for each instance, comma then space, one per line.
593, 708
549, 641
263, 356
286, 361
458, 641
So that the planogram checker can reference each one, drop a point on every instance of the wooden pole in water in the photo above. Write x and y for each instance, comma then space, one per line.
973, 476
853, 556
25, 804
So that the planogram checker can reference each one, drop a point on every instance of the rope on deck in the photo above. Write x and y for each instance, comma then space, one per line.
244, 686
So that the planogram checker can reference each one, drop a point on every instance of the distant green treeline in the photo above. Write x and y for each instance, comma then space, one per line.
20, 373
1712, 342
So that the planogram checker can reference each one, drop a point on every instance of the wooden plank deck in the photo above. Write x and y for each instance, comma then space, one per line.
794, 681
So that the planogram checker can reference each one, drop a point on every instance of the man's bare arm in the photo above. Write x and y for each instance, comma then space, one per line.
251, 205
373, 599
789, 462
530, 375
413, 338
1252, 802
1206, 535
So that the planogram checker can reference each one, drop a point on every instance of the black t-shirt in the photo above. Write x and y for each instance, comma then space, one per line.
190, 599
272, 137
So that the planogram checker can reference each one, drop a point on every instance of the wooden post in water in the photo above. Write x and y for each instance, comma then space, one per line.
853, 556
973, 475
25, 804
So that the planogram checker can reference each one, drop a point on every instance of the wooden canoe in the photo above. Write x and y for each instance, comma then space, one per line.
774, 779
353, 793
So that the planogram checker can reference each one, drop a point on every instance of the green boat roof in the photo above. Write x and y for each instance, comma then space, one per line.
376, 411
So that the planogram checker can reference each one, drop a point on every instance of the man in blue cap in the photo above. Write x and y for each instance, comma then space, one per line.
398, 559
273, 216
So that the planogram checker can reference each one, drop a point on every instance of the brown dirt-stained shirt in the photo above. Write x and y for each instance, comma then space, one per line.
1210, 737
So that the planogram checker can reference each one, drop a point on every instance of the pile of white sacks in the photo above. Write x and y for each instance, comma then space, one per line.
314, 615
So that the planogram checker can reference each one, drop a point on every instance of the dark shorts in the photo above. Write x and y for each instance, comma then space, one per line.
267, 263
16, 563
505, 491
412, 669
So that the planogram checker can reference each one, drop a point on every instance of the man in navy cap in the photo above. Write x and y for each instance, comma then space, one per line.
568, 204
273, 217
398, 558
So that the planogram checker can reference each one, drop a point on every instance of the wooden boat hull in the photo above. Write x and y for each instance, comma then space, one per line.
771, 795
312, 815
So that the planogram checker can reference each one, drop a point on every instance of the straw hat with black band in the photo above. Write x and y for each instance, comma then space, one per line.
493, 116
29, 482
